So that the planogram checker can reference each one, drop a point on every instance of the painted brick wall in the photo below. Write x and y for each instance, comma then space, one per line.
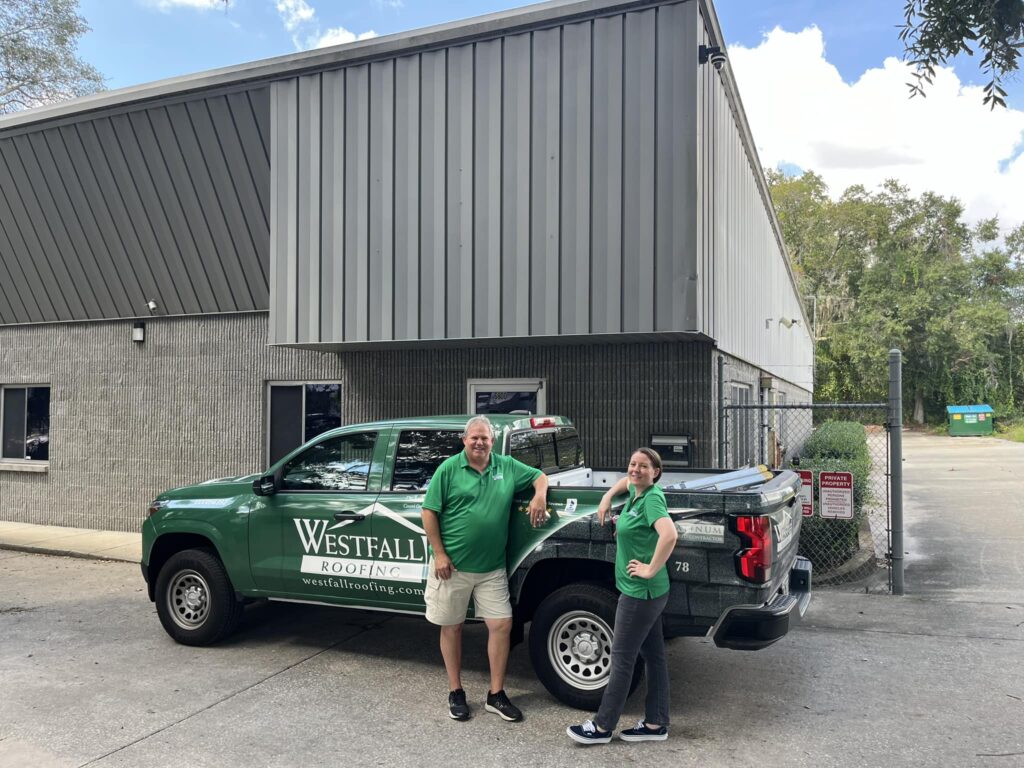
130, 420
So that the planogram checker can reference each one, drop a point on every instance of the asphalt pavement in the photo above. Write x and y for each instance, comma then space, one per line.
88, 677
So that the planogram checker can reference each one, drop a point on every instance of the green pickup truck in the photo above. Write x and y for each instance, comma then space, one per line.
337, 522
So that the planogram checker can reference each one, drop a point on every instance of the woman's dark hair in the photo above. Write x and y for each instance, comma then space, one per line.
655, 459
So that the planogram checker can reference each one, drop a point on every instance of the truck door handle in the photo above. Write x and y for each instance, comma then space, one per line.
349, 516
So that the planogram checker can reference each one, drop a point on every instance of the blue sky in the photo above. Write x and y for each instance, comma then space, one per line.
135, 41
797, 62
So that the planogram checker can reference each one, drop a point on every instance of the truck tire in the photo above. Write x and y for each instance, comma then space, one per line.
194, 598
571, 644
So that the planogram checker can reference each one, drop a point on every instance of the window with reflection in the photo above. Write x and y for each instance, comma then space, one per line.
420, 453
300, 412
337, 464
25, 423
555, 449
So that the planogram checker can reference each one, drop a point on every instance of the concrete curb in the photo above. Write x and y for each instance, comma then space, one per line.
44, 550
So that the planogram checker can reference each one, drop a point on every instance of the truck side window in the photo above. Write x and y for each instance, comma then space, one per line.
337, 464
420, 453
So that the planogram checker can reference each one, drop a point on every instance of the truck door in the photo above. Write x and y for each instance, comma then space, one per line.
398, 525
323, 510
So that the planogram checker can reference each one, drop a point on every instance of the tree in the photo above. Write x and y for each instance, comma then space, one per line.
935, 31
38, 59
888, 269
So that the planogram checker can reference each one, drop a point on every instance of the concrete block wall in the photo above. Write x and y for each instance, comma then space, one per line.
130, 420
616, 394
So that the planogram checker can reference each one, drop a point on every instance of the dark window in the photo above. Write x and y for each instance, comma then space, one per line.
300, 412
420, 453
26, 423
337, 464
552, 450
506, 402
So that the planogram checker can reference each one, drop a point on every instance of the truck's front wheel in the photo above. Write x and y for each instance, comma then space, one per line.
194, 598
571, 644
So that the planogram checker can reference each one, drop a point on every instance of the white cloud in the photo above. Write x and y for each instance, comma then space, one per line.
802, 113
199, 5
339, 36
394, 4
299, 18
295, 13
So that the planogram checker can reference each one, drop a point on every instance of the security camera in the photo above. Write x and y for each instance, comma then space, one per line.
151, 305
714, 54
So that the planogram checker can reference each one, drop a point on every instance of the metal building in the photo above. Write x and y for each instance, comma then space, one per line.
554, 208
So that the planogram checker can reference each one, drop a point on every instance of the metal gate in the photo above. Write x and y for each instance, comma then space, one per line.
863, 439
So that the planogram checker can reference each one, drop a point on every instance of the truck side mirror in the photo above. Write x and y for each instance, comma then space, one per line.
264, 486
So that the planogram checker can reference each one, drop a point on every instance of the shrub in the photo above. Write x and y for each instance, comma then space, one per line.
835, 446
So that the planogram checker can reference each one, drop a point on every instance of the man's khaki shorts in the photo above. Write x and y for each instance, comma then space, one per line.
447, 600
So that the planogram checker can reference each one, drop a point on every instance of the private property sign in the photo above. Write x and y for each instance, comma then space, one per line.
835, 494
807, 492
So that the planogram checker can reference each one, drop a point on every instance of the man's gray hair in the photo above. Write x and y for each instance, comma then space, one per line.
479, 420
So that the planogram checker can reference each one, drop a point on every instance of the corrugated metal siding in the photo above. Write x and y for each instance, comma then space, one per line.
745, 286
168, 203
536, 184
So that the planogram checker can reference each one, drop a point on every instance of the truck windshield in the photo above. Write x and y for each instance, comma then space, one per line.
551, 450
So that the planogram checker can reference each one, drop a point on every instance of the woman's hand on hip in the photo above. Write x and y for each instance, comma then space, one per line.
641, 570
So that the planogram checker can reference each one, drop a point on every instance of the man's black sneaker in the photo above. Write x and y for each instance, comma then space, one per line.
458, 709
587, 733
640, 732
499, 704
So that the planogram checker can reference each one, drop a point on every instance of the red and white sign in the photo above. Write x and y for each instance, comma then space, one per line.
807, 492
835, 494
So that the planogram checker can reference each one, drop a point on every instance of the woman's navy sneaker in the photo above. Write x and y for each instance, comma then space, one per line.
640, 732
587, 733
458, 709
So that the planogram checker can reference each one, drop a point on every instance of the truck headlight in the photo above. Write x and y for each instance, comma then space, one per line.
155, 506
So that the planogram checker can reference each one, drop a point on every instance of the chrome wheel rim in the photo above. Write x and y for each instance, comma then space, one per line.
580, 649
188, 599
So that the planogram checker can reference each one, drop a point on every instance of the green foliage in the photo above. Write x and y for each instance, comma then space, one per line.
38, 61
886, 269
835, 446
1010, 428
936, 31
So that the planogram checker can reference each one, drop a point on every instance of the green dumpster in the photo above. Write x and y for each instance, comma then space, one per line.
969, 420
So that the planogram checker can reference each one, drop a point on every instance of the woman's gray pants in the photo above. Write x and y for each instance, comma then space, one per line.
637, 631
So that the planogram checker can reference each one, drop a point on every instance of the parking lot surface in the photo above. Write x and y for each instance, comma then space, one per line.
88, 677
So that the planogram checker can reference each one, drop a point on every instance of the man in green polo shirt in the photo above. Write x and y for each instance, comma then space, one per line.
466, 517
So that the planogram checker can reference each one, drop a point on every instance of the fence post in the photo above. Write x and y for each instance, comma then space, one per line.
721, 412
896, 465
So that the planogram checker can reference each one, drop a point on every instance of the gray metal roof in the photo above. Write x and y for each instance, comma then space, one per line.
480, 27
168, 203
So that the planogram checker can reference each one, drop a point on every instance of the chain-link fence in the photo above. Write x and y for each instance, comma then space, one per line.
846, 521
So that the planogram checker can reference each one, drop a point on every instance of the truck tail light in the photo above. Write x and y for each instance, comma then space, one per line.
754, 561
542, 423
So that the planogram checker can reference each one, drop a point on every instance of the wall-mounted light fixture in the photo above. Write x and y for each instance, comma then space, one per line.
713, 54
789, 322
138, 332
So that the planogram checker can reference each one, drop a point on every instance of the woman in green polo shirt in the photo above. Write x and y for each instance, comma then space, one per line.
645, 538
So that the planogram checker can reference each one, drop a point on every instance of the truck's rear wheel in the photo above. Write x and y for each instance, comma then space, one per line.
194, 598
571, 644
